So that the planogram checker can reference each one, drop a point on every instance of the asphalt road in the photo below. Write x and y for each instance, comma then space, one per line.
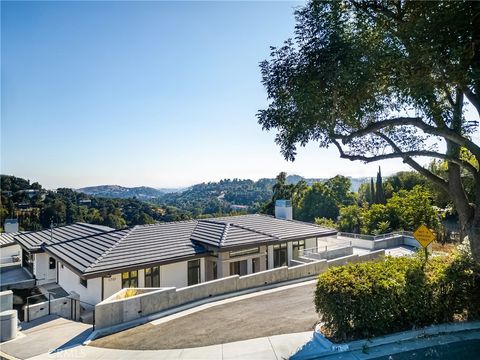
286, 311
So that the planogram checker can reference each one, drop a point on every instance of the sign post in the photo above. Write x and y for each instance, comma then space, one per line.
424, 236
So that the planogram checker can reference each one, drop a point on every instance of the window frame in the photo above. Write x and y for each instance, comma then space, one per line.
152, 275
129, 278
191, 266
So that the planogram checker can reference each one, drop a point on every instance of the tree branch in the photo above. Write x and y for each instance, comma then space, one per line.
417, 122
408, 160
472, 97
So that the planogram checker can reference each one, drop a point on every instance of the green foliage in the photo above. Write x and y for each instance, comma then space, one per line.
37, 208
328, 223
379, 192
375, 298
324, 200
405, 210
351, 219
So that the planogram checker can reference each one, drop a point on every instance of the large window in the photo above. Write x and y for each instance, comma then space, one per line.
296, 247
83, 282
130, 279
193, 272
152, 277
279, 255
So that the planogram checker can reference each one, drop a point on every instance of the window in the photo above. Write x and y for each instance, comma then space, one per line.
83, 282
296, 247
52, 264
193, 272
279, 255
130, 279
152, 277
255, 265
238, 268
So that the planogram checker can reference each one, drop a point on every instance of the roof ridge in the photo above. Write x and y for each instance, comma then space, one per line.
110, 249
226, 227
255, 231
82, 237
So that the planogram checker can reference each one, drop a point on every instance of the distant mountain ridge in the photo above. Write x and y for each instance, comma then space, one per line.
145, 192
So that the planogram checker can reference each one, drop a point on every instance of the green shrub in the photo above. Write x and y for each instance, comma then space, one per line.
374, 298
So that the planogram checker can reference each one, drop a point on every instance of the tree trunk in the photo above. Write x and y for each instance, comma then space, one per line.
472, 229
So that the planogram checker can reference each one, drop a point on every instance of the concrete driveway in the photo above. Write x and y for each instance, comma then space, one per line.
283, 310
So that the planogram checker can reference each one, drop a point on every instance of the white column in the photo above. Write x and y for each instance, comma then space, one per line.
202, 270
270, 256
141, 278
289, 252
249, 266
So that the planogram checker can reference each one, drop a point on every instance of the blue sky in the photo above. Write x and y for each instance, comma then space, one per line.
160, 94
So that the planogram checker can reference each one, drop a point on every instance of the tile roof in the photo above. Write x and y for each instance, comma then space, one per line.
150, 244
33, 240
278, 228
7, 239
226, 234
94, 251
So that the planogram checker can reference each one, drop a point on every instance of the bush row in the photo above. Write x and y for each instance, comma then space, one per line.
375, 298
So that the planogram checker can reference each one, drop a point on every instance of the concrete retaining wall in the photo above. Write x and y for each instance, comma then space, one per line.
6, 300
116, 310
67, 307
396, 240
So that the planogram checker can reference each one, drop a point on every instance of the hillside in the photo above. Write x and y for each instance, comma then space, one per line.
36, 208
120, 192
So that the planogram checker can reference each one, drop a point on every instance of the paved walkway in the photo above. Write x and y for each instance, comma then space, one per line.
277, 347
283, 310
46, 334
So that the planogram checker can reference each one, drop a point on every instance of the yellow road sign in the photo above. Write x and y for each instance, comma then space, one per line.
424, 235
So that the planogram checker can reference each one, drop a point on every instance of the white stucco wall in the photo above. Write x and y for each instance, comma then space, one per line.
310, 243
174, 274
41, 271
7, 252
112, 285
70, 281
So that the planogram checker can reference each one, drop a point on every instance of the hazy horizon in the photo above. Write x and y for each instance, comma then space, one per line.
159, 94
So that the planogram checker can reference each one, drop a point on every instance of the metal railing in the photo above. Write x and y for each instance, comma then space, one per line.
375, 237
12, 259
324, 247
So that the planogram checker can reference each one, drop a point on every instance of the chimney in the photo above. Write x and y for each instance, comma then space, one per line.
283, 209
11, 225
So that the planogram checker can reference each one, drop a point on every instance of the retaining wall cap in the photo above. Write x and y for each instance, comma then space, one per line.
8, 314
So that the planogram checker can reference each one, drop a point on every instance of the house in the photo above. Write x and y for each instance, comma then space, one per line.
96, 262
10, 251
33, 244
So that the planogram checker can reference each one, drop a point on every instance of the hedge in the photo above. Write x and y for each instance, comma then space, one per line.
375, 298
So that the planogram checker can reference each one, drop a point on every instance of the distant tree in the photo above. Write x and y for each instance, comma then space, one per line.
376, 79
372, 192
351, 219
318, 202
328, 223
379, 192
